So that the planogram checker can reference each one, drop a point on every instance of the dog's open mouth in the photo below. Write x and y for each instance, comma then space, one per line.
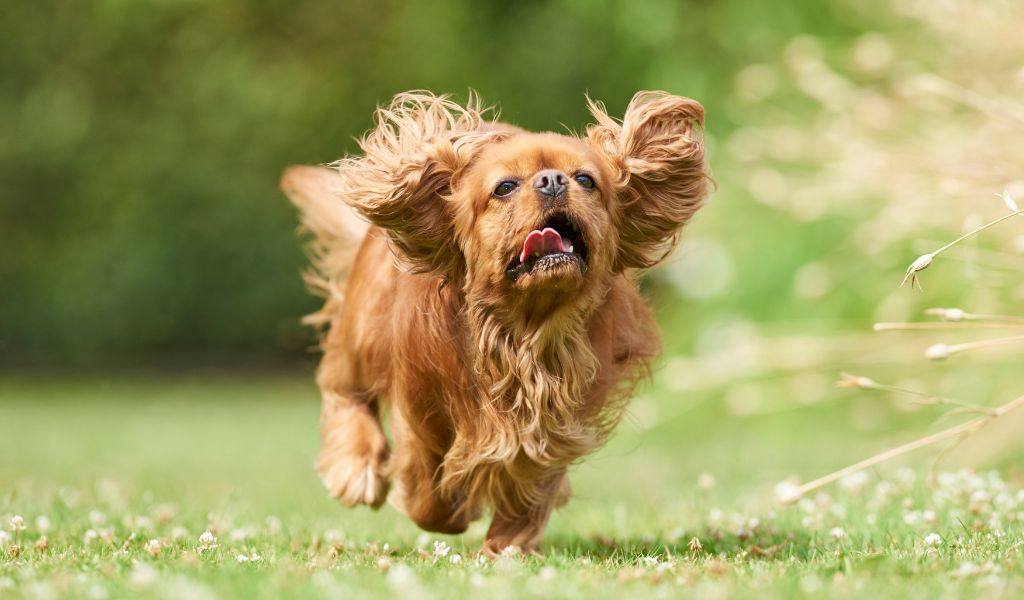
555, 243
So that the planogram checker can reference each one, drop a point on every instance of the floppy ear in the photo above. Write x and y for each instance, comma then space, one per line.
420, 143
657, 154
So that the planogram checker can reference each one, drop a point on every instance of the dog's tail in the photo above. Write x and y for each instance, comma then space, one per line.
337, 232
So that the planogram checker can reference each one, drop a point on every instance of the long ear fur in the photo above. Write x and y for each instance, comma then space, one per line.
421, 142
661, 173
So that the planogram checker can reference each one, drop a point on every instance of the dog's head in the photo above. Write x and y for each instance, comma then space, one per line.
530, 221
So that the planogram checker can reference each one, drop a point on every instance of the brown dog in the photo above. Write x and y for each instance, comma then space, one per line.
489, 302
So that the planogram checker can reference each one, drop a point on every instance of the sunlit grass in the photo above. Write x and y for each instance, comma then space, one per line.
200, 487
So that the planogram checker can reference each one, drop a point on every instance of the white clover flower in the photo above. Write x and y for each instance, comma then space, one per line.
4, 537
142, 575
333, 537
97, 518
547, 573
153, 547
455, 559
441, 549
91, 536
837, 533
933, 539
43, 523
477, 580
17, 523
207, 541
930, 516
239, 535
401, 576
241, 558
967, 569
649, 561
143, 523
979, 501
854, 482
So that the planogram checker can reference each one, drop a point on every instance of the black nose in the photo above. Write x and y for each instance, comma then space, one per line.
551, 183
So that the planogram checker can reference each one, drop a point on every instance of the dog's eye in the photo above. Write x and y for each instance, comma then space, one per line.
505, 188
585, 181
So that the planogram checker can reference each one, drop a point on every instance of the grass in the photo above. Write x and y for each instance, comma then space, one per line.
168, 458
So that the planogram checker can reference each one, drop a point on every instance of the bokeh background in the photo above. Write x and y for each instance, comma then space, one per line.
142, 143
150, 289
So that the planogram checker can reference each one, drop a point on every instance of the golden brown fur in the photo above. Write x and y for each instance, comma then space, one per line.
498, 374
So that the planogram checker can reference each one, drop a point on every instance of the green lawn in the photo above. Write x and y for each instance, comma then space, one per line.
102, 467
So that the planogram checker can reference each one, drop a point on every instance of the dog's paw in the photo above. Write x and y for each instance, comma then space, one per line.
351, 460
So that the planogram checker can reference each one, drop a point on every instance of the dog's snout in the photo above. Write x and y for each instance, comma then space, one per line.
551, 184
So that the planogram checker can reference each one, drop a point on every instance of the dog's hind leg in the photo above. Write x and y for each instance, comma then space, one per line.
353, 451
353, 448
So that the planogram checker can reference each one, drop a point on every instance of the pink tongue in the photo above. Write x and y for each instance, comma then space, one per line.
543, 242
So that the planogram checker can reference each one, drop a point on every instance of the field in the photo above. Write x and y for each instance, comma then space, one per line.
123, 478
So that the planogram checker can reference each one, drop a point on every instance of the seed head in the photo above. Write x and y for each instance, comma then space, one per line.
1009, 201
847, 380
695, 545
947, 314
923, 262
787, 492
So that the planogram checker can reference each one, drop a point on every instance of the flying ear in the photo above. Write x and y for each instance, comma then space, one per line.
657, 154
401, 183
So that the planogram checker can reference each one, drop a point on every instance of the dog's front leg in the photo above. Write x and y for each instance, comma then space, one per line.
415, 467
524, 528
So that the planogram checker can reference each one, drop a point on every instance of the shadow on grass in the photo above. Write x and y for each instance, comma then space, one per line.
763, 546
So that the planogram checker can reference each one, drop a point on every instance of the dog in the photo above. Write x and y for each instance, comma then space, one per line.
480, 285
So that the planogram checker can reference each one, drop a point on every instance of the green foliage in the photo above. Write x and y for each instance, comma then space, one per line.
141, 142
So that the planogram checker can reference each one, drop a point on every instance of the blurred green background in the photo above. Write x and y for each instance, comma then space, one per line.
141, 143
